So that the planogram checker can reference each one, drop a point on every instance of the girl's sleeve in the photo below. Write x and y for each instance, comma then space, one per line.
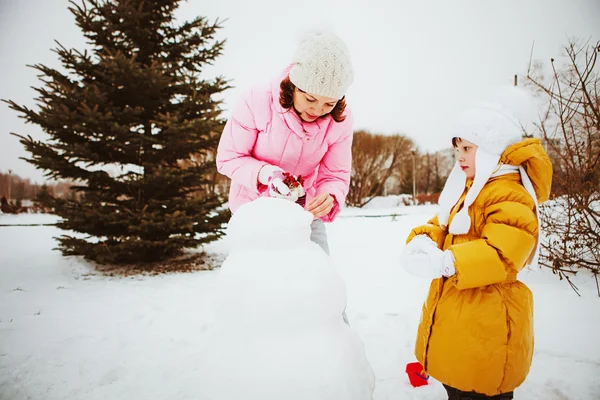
432, 229
234, 157
507, 240
334, 170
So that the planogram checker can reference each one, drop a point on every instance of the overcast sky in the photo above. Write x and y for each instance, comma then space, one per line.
417, 63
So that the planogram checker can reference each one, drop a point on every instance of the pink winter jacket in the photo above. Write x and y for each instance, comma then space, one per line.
261, 132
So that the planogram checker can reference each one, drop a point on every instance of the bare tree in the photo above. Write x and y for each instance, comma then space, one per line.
443, 161
25, 189
375, 158
570, 128
432, 170
217, 184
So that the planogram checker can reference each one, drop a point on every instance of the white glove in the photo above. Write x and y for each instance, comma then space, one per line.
423, 242
449, 264
275, 177
266, 173
422, 257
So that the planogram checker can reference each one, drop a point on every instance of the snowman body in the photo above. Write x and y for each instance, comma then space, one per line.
279, 332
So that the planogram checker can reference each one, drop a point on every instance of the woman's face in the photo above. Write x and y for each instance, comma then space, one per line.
465, 154
312, 106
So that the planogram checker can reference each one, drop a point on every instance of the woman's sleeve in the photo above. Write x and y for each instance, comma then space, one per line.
334, 170
234, 157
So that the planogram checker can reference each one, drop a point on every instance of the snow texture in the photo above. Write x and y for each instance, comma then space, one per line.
279, 329
67, 332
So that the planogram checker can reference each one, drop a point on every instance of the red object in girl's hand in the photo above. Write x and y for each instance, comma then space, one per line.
416, 374
292, 182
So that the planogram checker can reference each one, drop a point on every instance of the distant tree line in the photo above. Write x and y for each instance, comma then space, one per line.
383, 165
24, 189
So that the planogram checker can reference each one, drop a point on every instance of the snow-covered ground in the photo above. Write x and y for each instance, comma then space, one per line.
69, 333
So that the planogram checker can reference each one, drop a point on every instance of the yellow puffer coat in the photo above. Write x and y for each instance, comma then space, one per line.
476, 329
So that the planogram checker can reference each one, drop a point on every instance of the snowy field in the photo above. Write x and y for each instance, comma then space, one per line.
69, 333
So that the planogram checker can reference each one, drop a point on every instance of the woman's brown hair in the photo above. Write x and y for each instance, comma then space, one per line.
286, 99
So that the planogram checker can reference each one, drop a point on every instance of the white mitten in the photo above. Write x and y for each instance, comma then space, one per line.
422, 257
449, 264
278, 188
274, 177
265, 175
422, 242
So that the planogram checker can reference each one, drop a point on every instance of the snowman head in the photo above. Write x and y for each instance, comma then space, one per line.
267, 223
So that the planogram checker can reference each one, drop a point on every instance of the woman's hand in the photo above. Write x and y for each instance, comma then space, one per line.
321, 205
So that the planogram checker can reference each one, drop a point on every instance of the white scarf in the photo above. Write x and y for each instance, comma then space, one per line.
455, 186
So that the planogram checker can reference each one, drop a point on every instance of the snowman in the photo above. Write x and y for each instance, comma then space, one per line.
279, 332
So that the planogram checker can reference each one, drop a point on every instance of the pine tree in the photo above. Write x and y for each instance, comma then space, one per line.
44, 197
123, 123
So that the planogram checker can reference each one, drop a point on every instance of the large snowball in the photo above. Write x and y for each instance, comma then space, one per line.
279, 331
266, 223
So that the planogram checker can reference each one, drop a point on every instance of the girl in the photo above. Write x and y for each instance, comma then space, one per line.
476, 329
299, 125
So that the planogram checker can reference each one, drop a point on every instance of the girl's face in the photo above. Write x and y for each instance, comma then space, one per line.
465, 154
311, 106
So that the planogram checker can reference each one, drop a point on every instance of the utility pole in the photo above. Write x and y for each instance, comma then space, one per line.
9, 184
414, 171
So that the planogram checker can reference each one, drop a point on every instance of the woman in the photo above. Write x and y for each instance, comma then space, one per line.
299, 124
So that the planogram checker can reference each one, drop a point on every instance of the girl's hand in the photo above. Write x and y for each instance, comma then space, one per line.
321, 205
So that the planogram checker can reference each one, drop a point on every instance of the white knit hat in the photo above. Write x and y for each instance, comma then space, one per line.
322, 66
